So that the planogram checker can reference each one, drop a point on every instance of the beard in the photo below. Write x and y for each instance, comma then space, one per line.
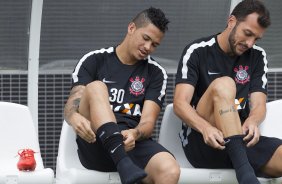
232, 42
236, 48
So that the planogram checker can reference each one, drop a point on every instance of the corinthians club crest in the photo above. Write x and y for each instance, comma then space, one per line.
136, 88
242, 75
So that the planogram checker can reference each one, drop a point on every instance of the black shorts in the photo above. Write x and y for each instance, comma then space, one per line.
200, 155
93, 156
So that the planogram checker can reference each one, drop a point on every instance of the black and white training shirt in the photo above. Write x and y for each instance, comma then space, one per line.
203, 61
128, 85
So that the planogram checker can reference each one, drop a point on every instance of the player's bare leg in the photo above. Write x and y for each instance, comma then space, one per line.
95, 106
274, 165
162, 169
217, 106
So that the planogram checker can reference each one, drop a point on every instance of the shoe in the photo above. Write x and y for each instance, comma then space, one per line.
26, 161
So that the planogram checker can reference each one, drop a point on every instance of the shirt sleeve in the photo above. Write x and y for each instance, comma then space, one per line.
85, 70
259, 77
188, 67
156, 90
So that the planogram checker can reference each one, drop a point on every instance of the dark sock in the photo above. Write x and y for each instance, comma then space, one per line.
112, 140
129, 173
236, 150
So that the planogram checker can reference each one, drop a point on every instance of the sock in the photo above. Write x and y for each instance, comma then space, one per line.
112, 140
236, 150
130, 173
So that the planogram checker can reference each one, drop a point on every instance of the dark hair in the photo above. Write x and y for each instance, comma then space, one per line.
246, 7
154, 16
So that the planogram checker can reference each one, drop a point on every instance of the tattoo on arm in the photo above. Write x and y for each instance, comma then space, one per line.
75, 104
73, 101
224, 111
140, 134
71, 108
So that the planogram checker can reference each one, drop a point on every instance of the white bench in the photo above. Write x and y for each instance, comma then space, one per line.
169, 138
69, 169
17, 131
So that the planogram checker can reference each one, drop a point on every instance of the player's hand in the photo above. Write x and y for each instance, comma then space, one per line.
129, 139
213, 137
82, 127
252, 133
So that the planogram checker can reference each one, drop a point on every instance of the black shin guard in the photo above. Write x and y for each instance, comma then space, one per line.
236, 150
112, 140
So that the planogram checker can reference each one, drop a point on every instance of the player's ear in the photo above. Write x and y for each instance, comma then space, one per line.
131, 27
231, 21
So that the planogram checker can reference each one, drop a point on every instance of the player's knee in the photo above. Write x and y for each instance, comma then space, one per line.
96, 90
169, 171
224, 83
96, 87
224, 88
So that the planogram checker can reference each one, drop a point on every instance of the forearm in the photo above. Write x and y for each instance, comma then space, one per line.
182, 108
189, 115
144, 130
72, 104
257, 108
148, 120
257, 115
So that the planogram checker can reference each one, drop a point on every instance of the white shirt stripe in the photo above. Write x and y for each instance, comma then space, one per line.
263, 78
162, 92
189, 51
74, 74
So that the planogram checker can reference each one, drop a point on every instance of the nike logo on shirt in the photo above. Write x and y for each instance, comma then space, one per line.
213, 73
109, 82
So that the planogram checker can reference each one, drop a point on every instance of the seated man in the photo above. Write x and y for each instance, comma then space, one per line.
214, 72
116, 97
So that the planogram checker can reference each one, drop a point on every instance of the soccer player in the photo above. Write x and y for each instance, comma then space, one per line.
116, 97
215, 71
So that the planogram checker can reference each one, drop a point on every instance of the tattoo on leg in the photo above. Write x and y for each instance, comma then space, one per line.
224, 111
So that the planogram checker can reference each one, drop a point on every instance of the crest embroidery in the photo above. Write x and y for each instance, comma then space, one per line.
242, 75
136, 88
